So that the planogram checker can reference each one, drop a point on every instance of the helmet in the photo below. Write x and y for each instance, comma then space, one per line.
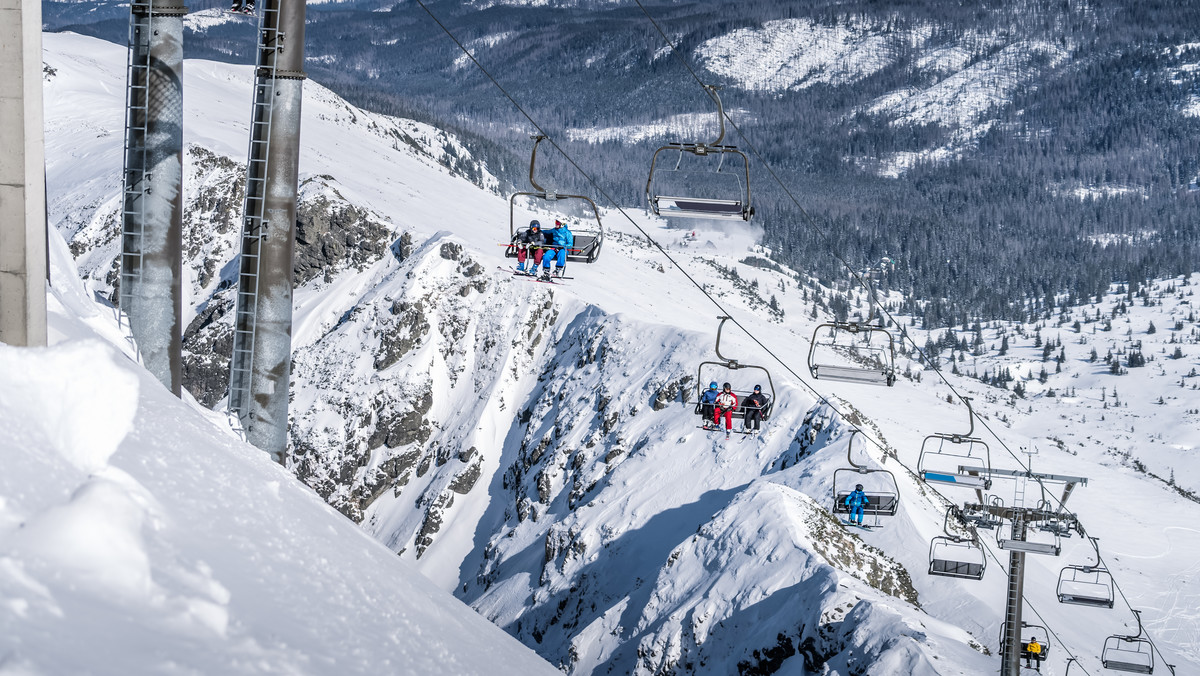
557, 223
712, 385
534, 224
858, 487
758, 388
727, 386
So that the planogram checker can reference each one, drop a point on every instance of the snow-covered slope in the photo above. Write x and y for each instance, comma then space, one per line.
532, 448
139, 536
968, 79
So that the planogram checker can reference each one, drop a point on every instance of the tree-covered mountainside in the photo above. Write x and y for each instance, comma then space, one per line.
1000, 151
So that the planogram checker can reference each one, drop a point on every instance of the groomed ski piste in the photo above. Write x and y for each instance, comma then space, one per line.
528, 448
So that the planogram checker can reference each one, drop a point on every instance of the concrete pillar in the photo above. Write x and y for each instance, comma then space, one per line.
151, 289
22, 176
260, 370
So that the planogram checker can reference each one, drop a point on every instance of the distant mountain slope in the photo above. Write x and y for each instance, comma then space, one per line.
954, 138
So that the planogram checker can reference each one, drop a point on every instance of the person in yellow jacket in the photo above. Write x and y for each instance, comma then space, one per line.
1033, 652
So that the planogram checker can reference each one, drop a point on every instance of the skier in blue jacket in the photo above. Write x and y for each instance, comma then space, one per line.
855, 501
560, 238
708, 402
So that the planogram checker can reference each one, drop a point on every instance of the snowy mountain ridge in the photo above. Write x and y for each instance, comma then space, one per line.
532, 448
139, 536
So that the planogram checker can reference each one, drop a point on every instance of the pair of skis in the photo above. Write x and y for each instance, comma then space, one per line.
744, 433
534, 277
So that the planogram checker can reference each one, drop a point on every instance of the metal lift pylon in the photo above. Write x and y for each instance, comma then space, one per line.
260, 366
150, 289
1017, 545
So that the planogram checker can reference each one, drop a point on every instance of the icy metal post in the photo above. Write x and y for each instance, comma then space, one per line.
260, 366
151, 291
22, 176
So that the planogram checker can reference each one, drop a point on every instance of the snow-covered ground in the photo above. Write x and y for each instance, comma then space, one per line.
674, 128
532, 448
797, 53
139, 536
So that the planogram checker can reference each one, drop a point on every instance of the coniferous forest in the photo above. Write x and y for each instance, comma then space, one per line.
1085, 174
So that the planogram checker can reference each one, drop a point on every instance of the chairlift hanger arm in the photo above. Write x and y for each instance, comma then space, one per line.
733, 364
712, 92
537, 138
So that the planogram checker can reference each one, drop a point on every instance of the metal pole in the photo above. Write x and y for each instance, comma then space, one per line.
1010, 649
23, 251
260, 370
151, 291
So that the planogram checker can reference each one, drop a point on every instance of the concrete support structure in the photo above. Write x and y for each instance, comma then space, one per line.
260, 367
151, 290
22, 176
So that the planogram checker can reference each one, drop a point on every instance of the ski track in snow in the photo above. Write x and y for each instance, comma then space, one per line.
648, 536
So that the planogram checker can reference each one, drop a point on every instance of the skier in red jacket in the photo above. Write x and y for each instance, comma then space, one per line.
726, 404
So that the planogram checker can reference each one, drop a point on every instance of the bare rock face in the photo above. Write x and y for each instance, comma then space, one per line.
395, 429
207, 344
332, 234
401, 335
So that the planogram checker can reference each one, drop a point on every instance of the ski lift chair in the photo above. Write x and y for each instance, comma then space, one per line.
952, 555
733, 365
1132, 654
588, 238
882, 502
735, 207
1087, 585
1042, 636
883, 355
956, 459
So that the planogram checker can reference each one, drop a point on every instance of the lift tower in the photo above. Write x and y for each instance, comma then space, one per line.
260, 366
150, 291
1057, 522
22, 176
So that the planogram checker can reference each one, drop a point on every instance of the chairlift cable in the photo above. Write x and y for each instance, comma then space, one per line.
822, 398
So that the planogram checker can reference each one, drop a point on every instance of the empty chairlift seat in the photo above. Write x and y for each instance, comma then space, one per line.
1085, 586
950, 557
699, 207
1132, 654
871, 349
956, 459
700, 190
